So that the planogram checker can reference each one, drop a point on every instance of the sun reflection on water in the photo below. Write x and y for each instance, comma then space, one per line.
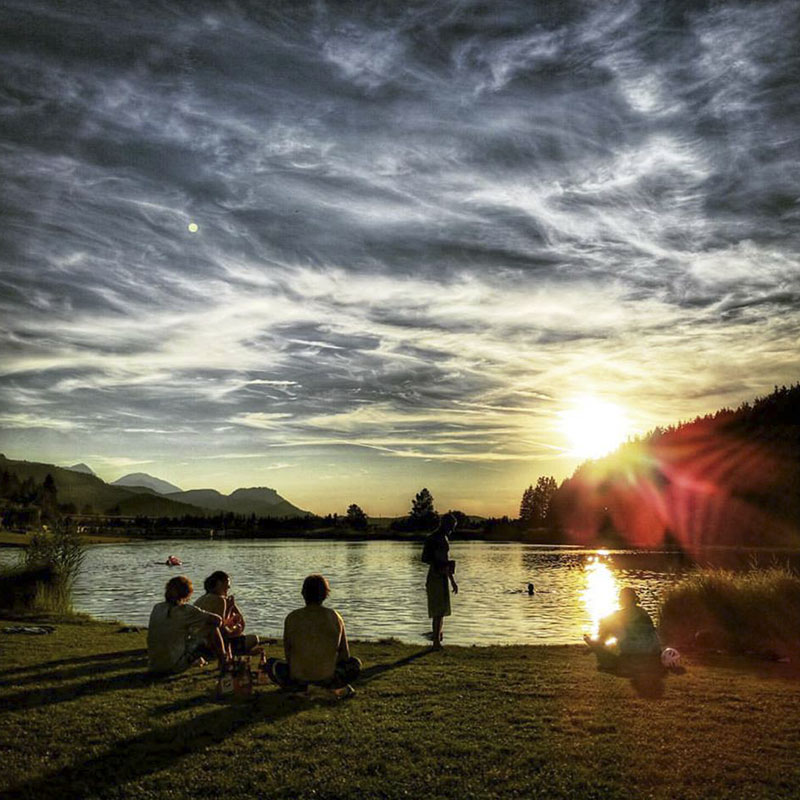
600, 592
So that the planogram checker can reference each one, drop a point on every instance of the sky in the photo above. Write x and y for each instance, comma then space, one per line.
348, 250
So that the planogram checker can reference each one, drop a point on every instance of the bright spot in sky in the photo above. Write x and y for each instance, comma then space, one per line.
593, 427
193, 227
600, 593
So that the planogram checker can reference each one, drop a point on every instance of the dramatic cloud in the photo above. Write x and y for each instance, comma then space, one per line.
368, 248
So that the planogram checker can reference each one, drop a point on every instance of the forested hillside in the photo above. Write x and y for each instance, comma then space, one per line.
729, 478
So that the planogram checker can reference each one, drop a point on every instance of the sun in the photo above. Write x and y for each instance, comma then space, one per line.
593, 427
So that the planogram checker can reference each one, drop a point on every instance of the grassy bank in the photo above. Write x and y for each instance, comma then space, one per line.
81, 718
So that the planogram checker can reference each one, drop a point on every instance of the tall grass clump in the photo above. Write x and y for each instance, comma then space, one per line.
43, 582
755, 611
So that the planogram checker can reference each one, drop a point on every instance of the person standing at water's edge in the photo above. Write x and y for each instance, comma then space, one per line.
436, 553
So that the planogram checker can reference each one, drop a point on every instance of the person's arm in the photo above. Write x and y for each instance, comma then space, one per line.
343, 653
197, 616
234, 619
287, 642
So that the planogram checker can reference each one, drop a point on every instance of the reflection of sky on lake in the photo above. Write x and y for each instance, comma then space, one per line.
379, 587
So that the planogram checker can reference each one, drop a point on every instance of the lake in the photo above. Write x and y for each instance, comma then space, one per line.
379, 587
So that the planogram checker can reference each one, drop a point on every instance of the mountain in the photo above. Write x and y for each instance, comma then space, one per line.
90, 494
87, 493
85, 468
261, 501
148, 481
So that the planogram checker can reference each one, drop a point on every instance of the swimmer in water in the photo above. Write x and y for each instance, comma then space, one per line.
531, 589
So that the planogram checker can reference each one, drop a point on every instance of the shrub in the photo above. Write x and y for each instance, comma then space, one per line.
25, 588
52, 561
756, 611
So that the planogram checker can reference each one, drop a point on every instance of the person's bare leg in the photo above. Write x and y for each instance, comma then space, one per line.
438, 623
217, 644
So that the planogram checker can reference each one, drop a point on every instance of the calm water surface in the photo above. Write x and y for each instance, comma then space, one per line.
379, 587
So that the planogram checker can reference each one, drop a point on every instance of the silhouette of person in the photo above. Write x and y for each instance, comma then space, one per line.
436, 553
632, 631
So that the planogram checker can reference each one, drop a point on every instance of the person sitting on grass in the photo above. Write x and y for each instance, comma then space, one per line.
217, 601
625, 637
178, 635
315, 644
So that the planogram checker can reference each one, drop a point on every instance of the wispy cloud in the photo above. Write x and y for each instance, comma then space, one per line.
420, 229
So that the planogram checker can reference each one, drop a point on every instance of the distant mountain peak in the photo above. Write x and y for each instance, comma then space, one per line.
256, 491
150, 482
259, 500
81, 467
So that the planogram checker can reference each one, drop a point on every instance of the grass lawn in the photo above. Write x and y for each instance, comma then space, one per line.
82, 718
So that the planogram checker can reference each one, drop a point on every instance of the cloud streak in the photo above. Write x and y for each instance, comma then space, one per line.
421, 230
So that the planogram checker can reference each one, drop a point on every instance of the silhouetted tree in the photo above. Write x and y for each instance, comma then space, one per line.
543, 497
356, 518
536, 501
423, 515
48, 499
526, 509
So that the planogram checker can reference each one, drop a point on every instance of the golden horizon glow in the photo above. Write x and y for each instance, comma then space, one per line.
593, 427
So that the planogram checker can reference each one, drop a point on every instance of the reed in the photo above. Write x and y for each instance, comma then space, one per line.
755, 611
43, 582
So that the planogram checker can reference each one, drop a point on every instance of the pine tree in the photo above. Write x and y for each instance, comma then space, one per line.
542, 498
535, 505
527, 512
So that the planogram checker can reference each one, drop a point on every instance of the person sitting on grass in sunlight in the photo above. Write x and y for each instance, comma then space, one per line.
315, 644
625, 637
179, 635
217, 601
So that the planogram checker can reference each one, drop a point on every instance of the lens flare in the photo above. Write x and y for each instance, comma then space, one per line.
600, 593
193, 227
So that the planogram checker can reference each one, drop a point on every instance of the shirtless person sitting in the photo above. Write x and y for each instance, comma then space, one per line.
315, 644
178, 634
216, 601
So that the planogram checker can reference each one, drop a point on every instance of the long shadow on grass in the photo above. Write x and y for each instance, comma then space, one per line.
60, 662
137, 757
647, 681
49, 675
34, 698
372, 672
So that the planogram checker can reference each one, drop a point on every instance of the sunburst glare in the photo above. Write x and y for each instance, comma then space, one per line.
593, 427
600, 593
